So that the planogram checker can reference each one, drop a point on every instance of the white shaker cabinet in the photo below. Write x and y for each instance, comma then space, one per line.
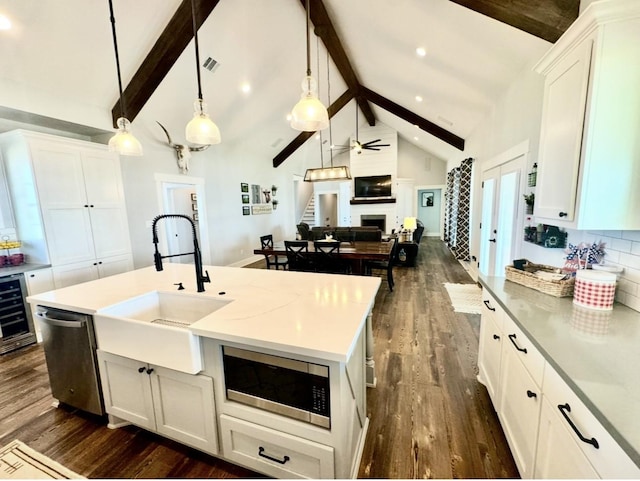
490, 348
520, 398
572, 442
70, 206
587, 170
174, 404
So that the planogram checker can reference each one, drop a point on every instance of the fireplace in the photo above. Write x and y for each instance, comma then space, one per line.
378, 221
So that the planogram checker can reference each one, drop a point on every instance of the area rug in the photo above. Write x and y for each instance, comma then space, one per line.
465, 298
19, 461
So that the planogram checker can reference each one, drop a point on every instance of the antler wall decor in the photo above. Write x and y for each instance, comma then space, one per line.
183, 151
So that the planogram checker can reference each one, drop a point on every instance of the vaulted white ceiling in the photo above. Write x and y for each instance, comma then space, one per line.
58, 61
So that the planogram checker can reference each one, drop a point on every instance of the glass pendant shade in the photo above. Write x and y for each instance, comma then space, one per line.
309, 114
340, 172
201, 129
123, 142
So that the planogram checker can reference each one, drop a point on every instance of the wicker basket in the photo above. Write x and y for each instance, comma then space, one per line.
527, 278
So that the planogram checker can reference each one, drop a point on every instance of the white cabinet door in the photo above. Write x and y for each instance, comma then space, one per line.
111, 266
174, 404
105, 197
184, 407
519, 413
489, 356
563, 118
71, 274
126, 389
65, 212
558, 455
38, 281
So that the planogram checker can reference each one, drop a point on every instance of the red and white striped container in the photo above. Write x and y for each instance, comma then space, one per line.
594, 289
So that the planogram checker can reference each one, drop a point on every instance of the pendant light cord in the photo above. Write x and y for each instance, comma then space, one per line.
195, 37
329, 102
308, 41
115, 48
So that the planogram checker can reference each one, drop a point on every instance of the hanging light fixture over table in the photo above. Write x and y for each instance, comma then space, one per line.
339, 172
123, 141
200, 129
309, 114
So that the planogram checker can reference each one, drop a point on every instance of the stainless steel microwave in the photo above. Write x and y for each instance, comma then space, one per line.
289, 387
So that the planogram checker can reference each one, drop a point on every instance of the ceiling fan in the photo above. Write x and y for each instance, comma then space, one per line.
360, 146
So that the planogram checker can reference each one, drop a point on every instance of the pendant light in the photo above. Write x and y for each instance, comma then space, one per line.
123, 141
339, 172
309, 115
200, 129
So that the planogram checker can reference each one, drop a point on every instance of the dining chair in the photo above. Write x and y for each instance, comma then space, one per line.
386, 265
272, 260
298, 255
328, 258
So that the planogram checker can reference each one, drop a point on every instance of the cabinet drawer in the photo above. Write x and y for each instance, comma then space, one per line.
609, 460
520, 344
274, 453
490, 308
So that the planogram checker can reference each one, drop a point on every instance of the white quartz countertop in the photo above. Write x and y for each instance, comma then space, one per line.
596, 352
317, 315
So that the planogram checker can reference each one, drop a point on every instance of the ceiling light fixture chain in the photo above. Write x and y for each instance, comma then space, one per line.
123, 142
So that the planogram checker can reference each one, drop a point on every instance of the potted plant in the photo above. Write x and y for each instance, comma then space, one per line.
274, 202
529, 199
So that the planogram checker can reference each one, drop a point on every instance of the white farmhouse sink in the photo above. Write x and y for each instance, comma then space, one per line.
152, 328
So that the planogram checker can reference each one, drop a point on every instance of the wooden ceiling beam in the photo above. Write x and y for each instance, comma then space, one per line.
414, 119
169, 46
323, 28
546, 19
302, 137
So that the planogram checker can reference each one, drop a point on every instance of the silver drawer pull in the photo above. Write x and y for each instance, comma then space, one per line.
271, 458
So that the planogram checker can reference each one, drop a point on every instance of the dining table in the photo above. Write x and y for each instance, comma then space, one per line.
357, 252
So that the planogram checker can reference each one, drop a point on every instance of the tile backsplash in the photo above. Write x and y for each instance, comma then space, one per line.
622, 249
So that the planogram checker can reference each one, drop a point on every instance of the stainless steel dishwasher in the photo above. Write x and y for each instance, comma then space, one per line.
70, 350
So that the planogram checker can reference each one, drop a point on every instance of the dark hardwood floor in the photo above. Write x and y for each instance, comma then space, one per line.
429, 417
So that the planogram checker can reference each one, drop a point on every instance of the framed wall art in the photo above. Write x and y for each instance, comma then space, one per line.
245, 198
427, 199
246, 210
244, 187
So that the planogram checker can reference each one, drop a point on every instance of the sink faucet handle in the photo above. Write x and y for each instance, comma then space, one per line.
180, 286
205, 277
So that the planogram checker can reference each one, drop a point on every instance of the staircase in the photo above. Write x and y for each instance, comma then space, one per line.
309, 215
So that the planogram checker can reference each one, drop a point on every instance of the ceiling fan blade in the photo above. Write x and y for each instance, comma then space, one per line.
368, 147
375, 145
371, 142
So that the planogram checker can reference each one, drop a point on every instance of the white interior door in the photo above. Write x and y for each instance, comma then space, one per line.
502, 211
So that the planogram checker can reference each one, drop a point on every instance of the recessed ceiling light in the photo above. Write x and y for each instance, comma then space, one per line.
416, 138
5, 23
418, 98
421, 51
245, 87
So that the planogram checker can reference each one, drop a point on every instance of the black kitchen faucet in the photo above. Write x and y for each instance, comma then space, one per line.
197, 258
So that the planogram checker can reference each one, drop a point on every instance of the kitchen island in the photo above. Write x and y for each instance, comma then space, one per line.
563, 380
316, 319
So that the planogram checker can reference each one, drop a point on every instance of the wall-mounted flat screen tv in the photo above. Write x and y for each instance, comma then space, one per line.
372, 186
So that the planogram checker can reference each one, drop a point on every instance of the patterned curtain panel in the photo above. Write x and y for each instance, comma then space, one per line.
457, 209
448, 195
464, 210
455, 199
